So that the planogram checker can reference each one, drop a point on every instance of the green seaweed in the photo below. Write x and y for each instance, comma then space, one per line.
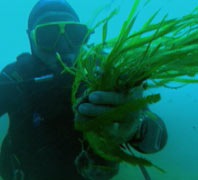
113, 152
151, 57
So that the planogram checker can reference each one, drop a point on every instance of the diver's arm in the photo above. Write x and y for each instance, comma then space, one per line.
9, 92
152, 134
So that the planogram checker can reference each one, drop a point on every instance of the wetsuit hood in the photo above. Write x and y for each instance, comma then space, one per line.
51, 6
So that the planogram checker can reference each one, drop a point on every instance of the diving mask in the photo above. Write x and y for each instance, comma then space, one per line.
46, 36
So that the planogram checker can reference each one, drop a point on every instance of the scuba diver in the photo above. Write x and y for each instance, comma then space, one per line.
41, 143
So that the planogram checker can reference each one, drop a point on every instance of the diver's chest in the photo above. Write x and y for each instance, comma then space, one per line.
49, 100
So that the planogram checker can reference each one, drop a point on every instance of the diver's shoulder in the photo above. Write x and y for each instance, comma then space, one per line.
21, 59
19, 66
24, 56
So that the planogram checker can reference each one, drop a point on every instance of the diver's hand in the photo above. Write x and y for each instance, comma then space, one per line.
100, 102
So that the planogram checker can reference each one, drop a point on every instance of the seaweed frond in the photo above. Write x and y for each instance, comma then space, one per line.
160, 53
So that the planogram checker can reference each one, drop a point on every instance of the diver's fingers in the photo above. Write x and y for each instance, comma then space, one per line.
107, 98
92, 110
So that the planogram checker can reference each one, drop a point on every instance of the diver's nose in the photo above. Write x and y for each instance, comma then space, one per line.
62, 45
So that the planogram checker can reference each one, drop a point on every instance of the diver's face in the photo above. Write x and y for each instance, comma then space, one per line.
48, 57
53, 36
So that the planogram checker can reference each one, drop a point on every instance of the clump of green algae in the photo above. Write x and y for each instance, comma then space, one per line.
168, 53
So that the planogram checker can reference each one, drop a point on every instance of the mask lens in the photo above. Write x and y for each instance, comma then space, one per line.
46, 36
76, 33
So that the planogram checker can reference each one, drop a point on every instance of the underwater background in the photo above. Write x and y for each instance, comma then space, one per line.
178, 108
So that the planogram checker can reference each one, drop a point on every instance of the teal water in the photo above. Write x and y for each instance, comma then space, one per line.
178, 108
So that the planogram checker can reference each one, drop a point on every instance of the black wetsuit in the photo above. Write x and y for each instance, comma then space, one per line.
41, 139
